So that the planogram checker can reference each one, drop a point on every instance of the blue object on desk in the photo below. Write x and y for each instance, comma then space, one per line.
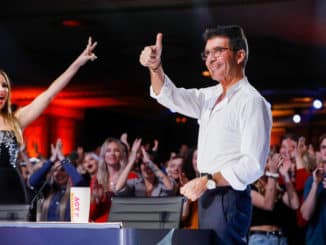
94, 233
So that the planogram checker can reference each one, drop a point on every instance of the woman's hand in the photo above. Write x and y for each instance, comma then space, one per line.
58, 147
285, 167
53, 153
87, 54
145, 155
134, 150
155, 147
124, 139
318, 175
274, 162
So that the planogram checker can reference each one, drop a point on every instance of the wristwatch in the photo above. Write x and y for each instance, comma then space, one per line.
211, 183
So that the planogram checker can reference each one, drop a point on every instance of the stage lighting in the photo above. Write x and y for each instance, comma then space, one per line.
296, 118
317, 104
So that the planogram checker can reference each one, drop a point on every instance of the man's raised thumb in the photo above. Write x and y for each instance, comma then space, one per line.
158, 43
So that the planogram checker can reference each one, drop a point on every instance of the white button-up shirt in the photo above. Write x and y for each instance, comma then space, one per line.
234, 136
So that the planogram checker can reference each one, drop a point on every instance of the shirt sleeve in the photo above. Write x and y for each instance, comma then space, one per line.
38, 177
76, 178
307, 187
255, 128
169, 192
128, 190
184, 101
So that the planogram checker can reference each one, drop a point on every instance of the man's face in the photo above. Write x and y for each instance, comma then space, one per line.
221, 59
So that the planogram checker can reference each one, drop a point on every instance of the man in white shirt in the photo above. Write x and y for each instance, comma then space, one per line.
234, 133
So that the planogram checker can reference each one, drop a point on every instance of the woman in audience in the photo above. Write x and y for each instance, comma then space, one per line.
53, 180
113, 159
294, 149
174, 170
90, 165
153, 182
270, 202
305, 163
190, 209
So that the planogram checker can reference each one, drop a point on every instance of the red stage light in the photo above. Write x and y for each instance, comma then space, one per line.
71, 23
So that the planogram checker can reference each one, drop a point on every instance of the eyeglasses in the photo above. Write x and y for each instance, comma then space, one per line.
216, 51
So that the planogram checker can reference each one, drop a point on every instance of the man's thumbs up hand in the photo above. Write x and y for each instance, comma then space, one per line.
151, 55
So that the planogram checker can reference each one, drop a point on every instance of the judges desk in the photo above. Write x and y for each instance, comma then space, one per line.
25, 233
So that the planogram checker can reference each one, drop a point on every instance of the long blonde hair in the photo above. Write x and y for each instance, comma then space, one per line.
7, 113
103, 174
43, 209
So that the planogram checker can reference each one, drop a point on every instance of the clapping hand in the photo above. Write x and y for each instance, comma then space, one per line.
134, 150
274, 162
124, 139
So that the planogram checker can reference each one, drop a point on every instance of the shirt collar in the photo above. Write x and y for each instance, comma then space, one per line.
234, 88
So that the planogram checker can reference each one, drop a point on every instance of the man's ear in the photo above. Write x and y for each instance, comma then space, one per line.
240, 56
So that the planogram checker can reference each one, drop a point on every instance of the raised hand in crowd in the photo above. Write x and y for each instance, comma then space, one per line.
155, 146
122, 180
290, 197
124, 139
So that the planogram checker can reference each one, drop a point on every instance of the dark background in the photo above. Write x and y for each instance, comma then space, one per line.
287, 58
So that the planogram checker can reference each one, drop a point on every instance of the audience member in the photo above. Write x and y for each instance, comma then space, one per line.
313, 208
270, 204
113, 159
54, 180
153, 182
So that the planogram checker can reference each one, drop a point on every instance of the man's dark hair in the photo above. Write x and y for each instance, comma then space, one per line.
236, 35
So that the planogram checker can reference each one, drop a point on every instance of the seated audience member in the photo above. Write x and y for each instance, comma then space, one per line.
183, 150
152, 151
293, 148
54, 179
190, 209
152, 183
270, 204
313, 208
176, 167
90, 165
134, 173
174, 170
305, 163
113, 159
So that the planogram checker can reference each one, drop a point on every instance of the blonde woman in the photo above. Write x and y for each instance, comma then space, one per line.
113, 159
13, 123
